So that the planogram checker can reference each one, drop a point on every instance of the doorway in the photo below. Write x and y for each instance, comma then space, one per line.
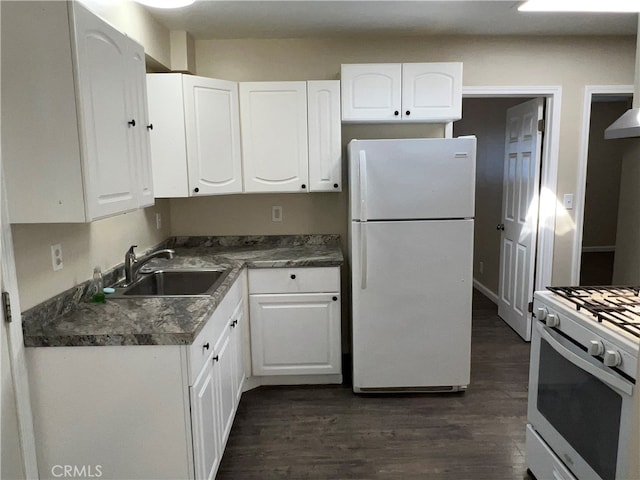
485, 113
597, 199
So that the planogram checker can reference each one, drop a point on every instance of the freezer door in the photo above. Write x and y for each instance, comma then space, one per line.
411, 290
412, 179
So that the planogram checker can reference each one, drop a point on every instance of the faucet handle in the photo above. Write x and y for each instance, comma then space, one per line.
131, 249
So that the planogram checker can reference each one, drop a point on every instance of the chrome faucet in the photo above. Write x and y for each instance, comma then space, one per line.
133, 264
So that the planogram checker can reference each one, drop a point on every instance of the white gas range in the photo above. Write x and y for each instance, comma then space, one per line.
584, 357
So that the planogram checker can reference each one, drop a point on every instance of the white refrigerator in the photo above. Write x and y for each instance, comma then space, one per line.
411, 249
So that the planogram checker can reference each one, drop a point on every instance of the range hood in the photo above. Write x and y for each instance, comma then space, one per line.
628, 125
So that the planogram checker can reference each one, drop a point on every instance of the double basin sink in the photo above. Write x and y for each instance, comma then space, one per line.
174, 283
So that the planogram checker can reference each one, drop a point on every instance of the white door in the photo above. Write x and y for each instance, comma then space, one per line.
212, 125
412, 179
18, 458
273, 116
371, 92
102, 84
519, 223
411, 294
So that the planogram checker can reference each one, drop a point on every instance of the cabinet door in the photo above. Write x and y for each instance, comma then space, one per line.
325, 145
295, 334
168, 140
432, 91
274, 136
238, 349
224, 361
139, 134
212, 128
205, 424
371, 92
109, 173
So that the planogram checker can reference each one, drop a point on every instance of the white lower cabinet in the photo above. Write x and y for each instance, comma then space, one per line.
295, 321
215, 394
205, 424
141, 412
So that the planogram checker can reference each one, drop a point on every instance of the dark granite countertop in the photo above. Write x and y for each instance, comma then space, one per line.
70, 320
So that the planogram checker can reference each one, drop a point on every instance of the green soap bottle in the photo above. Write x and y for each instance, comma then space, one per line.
98, 285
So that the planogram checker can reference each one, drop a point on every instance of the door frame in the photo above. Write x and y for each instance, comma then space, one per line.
581, 187
15, 340
549, 166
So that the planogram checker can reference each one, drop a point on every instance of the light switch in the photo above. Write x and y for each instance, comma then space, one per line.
567, 201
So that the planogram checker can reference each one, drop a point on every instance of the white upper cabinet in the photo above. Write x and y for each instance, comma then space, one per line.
78, 91
432, 91
273, 116
291, 139
195, 141
408, 92
371, 92
139, 137
325, 145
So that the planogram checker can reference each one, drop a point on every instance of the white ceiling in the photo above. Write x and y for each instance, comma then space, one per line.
208, 19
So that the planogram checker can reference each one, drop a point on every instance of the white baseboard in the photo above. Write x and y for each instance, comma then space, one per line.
599, 248
486, 291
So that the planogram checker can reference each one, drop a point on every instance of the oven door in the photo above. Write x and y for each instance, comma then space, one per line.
579, 407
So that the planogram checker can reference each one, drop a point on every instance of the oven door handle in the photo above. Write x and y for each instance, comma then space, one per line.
600, 374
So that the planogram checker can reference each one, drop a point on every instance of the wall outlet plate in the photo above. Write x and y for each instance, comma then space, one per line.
276, 214
56, 257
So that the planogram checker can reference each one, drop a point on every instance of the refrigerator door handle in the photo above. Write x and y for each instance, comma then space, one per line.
363, 185
363, 255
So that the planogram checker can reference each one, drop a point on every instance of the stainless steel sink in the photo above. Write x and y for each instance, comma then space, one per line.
174, 283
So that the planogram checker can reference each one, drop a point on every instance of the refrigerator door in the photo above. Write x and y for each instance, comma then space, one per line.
411, 288
412, 179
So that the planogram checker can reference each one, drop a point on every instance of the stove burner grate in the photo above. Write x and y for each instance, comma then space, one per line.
615, 305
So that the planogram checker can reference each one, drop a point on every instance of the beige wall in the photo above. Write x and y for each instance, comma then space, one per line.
134, 20
571, 62
486, 119
84, 246
603, 177
626, 268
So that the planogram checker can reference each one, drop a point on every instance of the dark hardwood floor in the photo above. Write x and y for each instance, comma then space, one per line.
329, 433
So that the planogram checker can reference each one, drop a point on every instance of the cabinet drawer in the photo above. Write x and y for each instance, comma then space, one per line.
203, 347
294, 280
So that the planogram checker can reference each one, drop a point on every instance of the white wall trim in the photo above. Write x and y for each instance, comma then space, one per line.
589, 92
599, 249
491, 295
549, 173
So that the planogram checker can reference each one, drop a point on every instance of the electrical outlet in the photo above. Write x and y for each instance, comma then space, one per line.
276, 214
158, 221
56, 257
